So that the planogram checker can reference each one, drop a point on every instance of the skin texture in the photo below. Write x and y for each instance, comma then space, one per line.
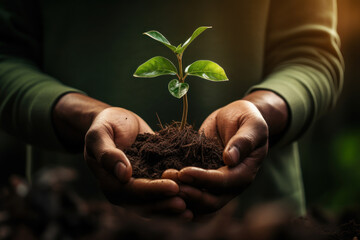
245, 128
107, 131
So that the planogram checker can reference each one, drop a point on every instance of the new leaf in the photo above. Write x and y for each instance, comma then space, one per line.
196, 33
178, 89
154, 67
207, 70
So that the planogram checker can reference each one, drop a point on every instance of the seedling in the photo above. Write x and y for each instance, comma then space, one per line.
158, 66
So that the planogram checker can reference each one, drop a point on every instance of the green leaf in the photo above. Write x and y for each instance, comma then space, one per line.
178, 89
160, 38
154, 67
207, 70
196, 33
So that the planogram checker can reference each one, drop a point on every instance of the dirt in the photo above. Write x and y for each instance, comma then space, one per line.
172, 148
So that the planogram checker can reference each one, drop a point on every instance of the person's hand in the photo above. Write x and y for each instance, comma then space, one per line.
245, 128
106, 131
111, 131
241, 128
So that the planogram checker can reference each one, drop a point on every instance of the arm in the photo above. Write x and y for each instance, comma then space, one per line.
303, 61
303, 79
27, 95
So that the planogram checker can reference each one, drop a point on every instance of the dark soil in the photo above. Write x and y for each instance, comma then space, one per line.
152, 154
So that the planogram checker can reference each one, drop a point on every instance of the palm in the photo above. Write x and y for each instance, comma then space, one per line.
241, 128
112, 131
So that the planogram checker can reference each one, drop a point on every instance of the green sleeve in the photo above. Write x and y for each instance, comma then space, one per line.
27, 95
303, 63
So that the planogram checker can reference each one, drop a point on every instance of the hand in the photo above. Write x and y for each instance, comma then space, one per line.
243, 131
245, 128
113, 130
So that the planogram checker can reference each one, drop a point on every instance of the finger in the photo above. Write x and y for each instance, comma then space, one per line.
222, 180
171, 208
137, 191
143, 126
104, 174
136, 188
119, 125
100, 146
202, 202
171, 174
115, 162
203, 178
147, 189
208, 127
251, 135
168, 207
187, 215
97, 139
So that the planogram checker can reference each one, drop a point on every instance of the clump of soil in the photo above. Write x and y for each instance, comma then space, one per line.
152, 154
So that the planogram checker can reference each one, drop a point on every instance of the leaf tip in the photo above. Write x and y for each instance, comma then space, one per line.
147, 33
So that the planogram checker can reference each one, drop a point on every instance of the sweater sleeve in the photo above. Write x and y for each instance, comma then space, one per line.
303, 63
27, 95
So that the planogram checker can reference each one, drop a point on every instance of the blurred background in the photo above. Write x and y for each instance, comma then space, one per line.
330, 150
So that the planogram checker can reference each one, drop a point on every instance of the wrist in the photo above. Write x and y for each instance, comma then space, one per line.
72, 116
274, 110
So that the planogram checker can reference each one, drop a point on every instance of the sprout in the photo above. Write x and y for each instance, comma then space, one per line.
158, 66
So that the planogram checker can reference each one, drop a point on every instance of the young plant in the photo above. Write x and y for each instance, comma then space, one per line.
158, 66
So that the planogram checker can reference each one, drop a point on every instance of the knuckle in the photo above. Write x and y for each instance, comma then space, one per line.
247, 140
92, 135
263, 127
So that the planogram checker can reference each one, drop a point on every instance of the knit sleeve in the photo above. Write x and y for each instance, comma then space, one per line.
303, 63
27, 95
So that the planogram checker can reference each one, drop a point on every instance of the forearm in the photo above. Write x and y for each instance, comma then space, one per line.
273, 109
302, 61
72, 116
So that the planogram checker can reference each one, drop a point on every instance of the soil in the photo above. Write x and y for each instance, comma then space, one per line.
172, 148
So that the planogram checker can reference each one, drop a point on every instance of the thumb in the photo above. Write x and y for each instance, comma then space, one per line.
100, 146
115, 162
249, 137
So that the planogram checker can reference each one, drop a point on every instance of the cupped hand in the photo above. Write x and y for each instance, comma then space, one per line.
110, 133
241, 128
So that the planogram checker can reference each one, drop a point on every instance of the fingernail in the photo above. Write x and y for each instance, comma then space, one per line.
234, 154
120, 170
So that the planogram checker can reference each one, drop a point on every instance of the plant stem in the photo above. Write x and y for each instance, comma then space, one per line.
179, 57
185, 100
185, 112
